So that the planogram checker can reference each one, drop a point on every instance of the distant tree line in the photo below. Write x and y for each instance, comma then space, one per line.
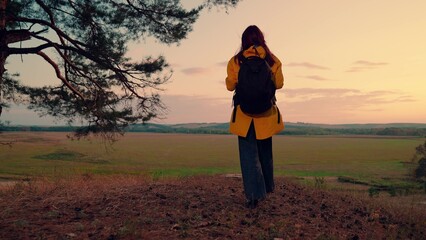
392, 131
222, 128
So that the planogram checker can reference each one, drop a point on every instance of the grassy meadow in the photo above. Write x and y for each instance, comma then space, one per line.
161, 155
150, 181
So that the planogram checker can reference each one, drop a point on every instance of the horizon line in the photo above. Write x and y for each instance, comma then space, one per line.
187, 123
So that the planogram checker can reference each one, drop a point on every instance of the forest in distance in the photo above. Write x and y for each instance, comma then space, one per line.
391, 129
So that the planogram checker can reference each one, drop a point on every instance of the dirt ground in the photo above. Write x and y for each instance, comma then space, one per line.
204, 207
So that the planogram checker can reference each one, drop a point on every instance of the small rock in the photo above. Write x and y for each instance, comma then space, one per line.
71, 235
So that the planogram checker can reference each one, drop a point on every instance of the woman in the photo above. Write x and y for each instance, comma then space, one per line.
255, 132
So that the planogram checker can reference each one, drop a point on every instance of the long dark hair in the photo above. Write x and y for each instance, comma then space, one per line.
253, 36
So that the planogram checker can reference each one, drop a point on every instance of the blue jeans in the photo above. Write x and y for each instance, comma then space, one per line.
256, 165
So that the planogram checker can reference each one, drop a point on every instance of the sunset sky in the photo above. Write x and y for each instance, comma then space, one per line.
349, 61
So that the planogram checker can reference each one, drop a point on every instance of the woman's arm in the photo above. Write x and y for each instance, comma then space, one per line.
232, 78
278, 73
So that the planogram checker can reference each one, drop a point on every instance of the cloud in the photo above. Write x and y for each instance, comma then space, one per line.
368, 63
362, 65
222, 64
310, 92
323, 105
21, 115
186, 109
306, 65
356, 97
316, 78
195, 70
336, 105
175, 65
406, 98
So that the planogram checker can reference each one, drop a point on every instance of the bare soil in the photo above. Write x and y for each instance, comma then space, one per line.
202, 207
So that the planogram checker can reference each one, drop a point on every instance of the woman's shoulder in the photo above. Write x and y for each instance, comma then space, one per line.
276, 59
233, 60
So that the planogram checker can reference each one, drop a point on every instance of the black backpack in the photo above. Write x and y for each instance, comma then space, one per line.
255, 91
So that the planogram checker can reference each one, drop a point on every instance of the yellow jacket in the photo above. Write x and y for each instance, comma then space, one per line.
270, 122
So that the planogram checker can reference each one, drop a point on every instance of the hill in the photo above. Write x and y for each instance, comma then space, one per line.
202, 207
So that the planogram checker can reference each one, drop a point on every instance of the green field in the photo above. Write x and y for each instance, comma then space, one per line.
52, 154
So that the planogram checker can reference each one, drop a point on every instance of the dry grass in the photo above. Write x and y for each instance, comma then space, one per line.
203, 207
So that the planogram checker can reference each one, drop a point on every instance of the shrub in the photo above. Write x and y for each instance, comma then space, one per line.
420, 171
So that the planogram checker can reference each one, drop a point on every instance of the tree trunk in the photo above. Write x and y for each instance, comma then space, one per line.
3, 47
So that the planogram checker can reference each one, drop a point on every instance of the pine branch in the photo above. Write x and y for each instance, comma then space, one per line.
59, 75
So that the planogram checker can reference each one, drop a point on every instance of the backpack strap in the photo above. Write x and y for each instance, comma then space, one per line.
279, 115
257, 53
241, 60
234, 114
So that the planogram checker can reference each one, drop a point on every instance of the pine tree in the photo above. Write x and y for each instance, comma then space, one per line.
96, 82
